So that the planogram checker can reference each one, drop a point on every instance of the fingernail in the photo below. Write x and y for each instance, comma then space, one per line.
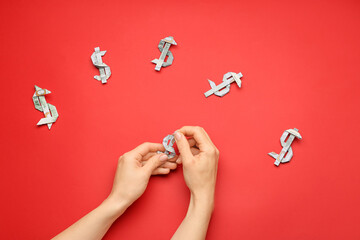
177, 135
163, 158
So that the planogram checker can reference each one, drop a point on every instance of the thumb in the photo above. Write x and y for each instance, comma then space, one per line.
183, 146
155, 162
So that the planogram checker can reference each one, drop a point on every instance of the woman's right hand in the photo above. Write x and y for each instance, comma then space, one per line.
199, 157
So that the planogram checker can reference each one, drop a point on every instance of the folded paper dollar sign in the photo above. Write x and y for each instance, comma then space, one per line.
224, 87
49, 110
170, 146
290, 135
164, 46
104, 69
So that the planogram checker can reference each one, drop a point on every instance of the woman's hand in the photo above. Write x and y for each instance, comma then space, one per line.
199, 157
132, 176
134, 170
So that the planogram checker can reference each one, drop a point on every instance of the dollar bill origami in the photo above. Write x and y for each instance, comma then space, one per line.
48, 109
168, 143
290, 135
224, 87
164, 46
104, 69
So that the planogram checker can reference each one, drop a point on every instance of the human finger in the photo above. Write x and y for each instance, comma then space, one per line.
161, 171
192, 142
147, 147
170, 165
194, 151
198, 133
183, 145
154, 162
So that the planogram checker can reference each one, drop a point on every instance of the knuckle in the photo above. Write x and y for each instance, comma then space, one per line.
146, 144
213, 151
207, 149
121, 158
124, 156
199, 129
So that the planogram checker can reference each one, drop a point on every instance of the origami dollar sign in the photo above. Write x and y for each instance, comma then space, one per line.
164, 52
225, 85
104, 69
168, 143
286, 146
49, 110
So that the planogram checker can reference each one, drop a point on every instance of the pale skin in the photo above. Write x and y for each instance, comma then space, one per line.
199, 157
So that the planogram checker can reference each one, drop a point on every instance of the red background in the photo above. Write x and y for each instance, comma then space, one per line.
300, 62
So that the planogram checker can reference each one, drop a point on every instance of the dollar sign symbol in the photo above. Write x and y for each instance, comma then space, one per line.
104, 69
48, 109
164, 46
279, 158
225, 85
168, 143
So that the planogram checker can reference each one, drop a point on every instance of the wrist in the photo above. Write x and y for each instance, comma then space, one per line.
116, 206
200, 208
202, 201
203, 196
